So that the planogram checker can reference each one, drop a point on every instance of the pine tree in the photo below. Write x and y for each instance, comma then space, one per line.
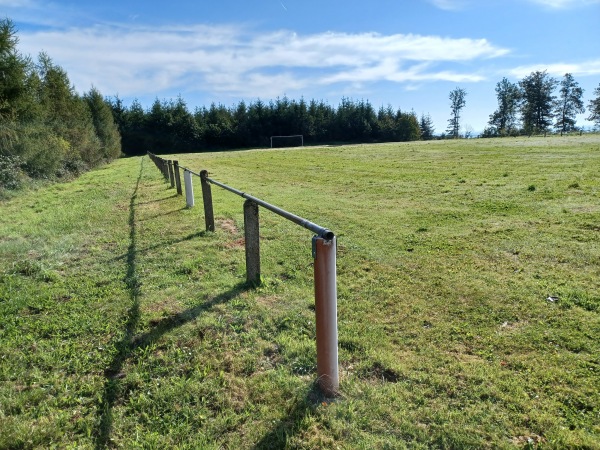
568, 105
457, 103
594, 107
13, 72
504, 118
538, 102
426, 126
104, 124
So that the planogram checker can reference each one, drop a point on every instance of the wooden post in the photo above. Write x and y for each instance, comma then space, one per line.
164, 168
177, 177
171, 173
251, 230
209, 218
324, 252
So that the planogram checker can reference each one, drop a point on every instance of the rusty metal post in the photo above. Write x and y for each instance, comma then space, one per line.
324, 252
251, 232
209, 217
171, 173
189, 188
177, 177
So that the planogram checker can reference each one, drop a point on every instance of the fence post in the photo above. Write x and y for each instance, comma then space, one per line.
324, 252
164, 169
209, 217
171, 173
189, 188
177, 177
251, 231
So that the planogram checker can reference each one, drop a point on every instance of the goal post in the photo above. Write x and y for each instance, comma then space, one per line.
295, 140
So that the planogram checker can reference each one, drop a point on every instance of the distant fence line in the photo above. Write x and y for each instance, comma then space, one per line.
323, 250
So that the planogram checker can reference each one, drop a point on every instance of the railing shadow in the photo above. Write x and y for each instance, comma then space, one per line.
166, 243
167, 213
114, 370
289, 425
169, 323
129, 342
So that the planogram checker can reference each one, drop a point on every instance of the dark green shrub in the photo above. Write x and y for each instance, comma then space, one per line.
11, 175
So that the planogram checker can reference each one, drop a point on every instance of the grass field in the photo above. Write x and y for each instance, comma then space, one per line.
468, 302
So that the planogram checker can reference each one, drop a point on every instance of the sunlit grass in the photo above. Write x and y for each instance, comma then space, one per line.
468, 302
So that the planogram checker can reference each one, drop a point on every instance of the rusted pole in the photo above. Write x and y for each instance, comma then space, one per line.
251, 233
324, 252
171, 173
209, 217
177, 177
189, 188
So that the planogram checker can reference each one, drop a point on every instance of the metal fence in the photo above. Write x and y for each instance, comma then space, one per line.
323, 250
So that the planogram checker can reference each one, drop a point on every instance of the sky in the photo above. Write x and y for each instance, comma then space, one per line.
409, 54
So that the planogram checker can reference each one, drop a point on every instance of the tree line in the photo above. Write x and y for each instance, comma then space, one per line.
531, 106
47, 130
169, 126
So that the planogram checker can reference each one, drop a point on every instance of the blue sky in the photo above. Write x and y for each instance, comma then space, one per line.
409, 54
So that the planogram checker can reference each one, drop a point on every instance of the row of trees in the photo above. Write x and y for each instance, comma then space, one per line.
46, 128
527, 107
530, 106
169, 126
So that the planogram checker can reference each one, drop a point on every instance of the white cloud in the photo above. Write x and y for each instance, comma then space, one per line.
16, 3
582, 69
230, 59
563, 4
456, 5
449, 5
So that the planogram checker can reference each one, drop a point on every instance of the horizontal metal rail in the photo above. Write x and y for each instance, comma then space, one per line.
319, 230
324, 247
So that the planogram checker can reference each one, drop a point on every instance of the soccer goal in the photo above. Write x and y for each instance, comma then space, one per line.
296, 140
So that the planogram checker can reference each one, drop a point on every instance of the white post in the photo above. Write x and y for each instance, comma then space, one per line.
326, 315
189, 188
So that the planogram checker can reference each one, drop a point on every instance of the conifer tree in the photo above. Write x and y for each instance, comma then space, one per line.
568, 104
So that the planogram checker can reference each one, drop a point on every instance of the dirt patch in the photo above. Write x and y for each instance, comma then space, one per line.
227, 225
238, 243
269, 300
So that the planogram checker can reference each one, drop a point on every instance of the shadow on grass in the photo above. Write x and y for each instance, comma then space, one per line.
167, 213
166, 243
129, 342
169, 323
291, 424
158, 200
112, 373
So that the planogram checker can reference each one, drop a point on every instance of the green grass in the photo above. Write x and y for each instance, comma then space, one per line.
468, 302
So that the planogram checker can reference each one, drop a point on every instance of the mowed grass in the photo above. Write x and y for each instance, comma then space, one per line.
468, 302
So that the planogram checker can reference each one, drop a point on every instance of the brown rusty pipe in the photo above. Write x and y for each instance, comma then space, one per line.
326, 315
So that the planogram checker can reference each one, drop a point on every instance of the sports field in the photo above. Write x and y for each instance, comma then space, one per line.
468, 302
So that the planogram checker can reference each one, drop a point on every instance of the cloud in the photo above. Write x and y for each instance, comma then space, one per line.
582, 69
456, 5
16, 3
137, 60
449, 5
563, 4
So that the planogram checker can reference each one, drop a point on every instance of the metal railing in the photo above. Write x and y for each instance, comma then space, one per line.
323, 250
